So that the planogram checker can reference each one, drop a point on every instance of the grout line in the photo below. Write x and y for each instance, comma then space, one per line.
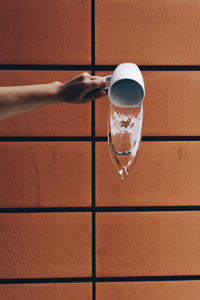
93, 224
147, 208
100, 209
93, 137
46, 67
45, 209
61, 67
101, 279
153, 68
157, 138
45, 280
170, 138
93, 254
45, 139
148, 278
93, 156
93, 37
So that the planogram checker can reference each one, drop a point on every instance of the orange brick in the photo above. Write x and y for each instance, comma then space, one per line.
54, 291
147, 32
63, 119
171, 105
147, 244
165, 173
45, 245
45, 32
35, 174
181, 290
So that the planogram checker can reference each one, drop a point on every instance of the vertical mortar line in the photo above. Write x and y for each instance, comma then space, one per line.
93, 154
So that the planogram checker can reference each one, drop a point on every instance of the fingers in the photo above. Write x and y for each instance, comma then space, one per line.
95, 77
85, 88
81, 77
84, 76
94, 95
91, 82
94, 84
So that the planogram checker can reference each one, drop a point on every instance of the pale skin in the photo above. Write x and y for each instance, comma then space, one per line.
80, 89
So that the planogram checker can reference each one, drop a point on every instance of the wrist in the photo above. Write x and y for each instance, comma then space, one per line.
54, 89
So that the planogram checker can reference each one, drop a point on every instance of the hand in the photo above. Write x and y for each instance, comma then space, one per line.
81, 89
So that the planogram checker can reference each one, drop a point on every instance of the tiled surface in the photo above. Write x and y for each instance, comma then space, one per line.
165, 174
171, 105
45, 245
45, 32
54, 120
147, 32
45, 174
181, 290
147, 244
54, 291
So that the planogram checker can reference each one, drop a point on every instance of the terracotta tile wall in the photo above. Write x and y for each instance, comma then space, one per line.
69, 227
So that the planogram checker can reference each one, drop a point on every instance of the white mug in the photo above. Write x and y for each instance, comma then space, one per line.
126, 87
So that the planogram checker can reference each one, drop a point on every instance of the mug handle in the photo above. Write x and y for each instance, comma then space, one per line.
108, 78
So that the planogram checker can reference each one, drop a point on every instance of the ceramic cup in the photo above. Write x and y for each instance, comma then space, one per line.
126, 87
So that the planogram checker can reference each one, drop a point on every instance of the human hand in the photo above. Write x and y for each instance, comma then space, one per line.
81, 89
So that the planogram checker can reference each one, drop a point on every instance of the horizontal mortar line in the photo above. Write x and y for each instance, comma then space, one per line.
98, 209
60, 67
45, 209
146, 208
101, 138
46, 67
153, 67
170, 138
157, 138
90, 138
99, 279
46, 139
148, 278
45, 280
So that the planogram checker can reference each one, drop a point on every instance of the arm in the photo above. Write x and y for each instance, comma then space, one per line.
80, 89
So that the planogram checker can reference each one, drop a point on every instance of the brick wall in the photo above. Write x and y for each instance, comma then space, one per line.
69, 227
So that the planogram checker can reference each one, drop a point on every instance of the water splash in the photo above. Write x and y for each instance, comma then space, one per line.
124, 135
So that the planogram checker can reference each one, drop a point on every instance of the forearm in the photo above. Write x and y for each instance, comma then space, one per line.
17, 99
81, 89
